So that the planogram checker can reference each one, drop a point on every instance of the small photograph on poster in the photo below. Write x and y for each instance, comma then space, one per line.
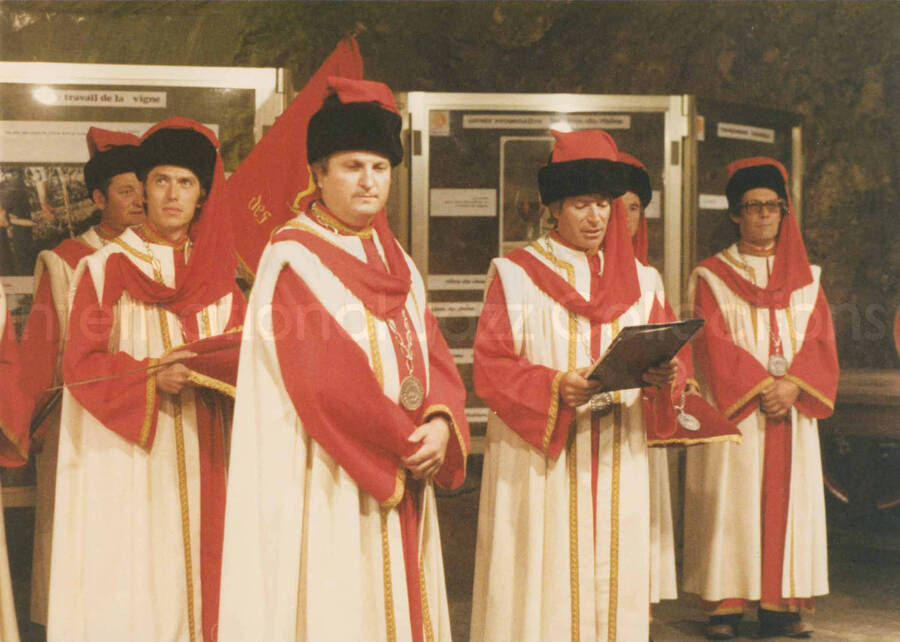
521, 211
40, 205
439, 122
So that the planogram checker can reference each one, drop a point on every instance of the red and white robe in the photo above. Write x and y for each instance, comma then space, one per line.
140, 474
42, 341
326, 537
564, 518
15, 412
755, 511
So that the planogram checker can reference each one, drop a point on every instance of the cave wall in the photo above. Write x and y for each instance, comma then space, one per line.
830, 61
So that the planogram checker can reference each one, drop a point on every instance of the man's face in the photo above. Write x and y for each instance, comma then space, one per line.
123, 204
355, 186
633, 211
172, 194
583, 220
758, 228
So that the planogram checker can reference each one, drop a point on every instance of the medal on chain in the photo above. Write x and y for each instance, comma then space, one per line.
777, 364
412, 392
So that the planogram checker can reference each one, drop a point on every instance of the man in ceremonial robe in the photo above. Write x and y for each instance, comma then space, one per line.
111, 178
766, 358
141, 465
349, 406
15, 411
663, 583
563, 527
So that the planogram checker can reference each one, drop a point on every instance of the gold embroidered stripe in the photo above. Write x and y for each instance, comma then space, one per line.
211, 383
182, 486
755, 390
689, 442
441, 409
399, 488
149, 404
426, 610
390, 625
808, 389
553, 412
573, 536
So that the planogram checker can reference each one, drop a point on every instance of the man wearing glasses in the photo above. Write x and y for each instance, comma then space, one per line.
755, 511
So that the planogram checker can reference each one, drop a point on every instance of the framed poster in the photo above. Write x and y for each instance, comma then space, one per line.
47, 108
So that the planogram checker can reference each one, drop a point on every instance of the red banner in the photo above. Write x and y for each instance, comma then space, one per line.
266, 185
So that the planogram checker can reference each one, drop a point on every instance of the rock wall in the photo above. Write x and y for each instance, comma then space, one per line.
830, 61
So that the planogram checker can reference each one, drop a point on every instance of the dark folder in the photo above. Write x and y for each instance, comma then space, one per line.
637, 348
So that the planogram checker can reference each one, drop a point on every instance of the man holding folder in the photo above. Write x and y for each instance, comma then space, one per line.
563, 532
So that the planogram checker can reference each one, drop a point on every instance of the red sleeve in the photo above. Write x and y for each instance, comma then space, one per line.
336, 394
659, 414
733, 374
524, 395
40, 342
127, 404
447, 396
217, 356
15, 403
815, 367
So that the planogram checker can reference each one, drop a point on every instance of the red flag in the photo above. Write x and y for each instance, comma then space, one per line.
266, 185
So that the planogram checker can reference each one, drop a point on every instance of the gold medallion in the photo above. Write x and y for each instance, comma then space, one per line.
412, 392
777, 366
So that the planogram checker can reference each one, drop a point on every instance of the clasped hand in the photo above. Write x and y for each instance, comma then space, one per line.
427, 460
776, 400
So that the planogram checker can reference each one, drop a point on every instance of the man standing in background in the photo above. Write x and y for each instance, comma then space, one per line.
755, 511
111, 178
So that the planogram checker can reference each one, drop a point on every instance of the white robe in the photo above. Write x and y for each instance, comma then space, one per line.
118, 566
9, 628
723, 496
535, 514
663, 582
309, 555
60, 274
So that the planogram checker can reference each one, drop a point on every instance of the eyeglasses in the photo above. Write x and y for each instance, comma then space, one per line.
756, 207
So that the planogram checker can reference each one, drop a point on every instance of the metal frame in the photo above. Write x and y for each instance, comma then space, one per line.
270, 83
676, 129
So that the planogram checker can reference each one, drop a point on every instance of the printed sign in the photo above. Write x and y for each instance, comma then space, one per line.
456, 281
746, 132
545, 121
463, 202
100, 98
713, 202
457, 309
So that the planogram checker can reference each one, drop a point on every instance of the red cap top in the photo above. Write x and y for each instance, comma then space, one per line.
585, 143
350, 90
180, 122
101, 140
625, 157
756, 161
